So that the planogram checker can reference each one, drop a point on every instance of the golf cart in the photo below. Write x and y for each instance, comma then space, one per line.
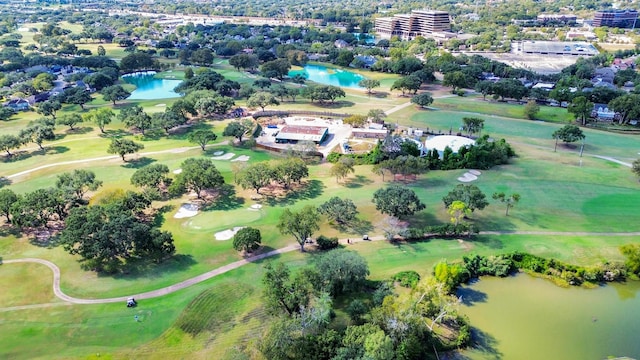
131, 302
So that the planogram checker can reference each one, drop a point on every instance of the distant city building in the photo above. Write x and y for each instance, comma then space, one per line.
557, 19
625, 19
426, 23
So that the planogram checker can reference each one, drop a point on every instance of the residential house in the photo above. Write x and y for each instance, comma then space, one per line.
341, 44
602, 112
367, 61
17, 104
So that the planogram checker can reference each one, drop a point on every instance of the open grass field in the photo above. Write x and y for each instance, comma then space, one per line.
561, 192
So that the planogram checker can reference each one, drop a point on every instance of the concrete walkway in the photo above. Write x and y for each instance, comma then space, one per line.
110, 157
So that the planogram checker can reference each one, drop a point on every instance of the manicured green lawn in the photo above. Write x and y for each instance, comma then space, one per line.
560, 191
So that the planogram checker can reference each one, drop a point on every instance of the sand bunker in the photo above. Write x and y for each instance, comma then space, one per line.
474, 172
227, 234
241, 158
227, 156
186, 210
255, 207
467, 177
161, 105
218, 153
177, 171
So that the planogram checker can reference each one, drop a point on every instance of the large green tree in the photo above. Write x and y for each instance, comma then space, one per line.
49, 108
7, 199
202, 137
37, 132
472, 125
77, 183
300, 224
339, 210
135, 116
281, 293
197, 175
247, 239
69, 120
423, 100
238, 128
76, 95
151, 176
581, 107
469, 194
342, 271
100, 116
397, 201
114, 93
369, 84
105, 237
342, 168
255, 176
262, 99
568, 134
9, 142
123, 147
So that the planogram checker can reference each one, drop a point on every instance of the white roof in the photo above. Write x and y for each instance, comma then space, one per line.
440, 142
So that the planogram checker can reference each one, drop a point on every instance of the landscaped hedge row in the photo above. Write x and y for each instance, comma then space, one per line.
485, 154
560, 272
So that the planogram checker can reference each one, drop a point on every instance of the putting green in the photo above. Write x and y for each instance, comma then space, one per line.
218, 220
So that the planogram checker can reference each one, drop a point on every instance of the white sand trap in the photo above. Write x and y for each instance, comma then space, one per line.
177, 171
467, 177
241, 158
186, 210
227, 234
227, 156
474, 172
218, 153
255, 207
161, 105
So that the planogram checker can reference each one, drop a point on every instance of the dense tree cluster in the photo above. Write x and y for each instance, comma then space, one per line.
388, 326
283, 172
106, 236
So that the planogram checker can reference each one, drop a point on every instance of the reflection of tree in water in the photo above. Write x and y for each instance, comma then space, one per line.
485, 343
625, 292
469, 296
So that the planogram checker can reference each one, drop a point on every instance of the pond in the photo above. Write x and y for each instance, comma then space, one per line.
523, 317
329, 76
150, 88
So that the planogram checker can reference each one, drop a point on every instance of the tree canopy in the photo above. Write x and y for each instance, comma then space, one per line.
197, 175
471, 195
123, 147
397, 201
247, 239
300, 224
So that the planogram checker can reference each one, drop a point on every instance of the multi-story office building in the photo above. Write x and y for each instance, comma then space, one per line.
418, 23
625, 19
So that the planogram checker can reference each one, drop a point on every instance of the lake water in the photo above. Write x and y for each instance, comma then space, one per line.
150, 88
526, 318
329, 76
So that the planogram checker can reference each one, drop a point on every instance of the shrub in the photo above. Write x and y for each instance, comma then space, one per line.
383, 290
356, 309
408, 279
413, 234
327, 243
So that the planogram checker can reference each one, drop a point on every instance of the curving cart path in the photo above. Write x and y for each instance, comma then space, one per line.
68, 300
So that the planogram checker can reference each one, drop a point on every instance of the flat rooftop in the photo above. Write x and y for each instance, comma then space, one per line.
302, 129
558, 48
